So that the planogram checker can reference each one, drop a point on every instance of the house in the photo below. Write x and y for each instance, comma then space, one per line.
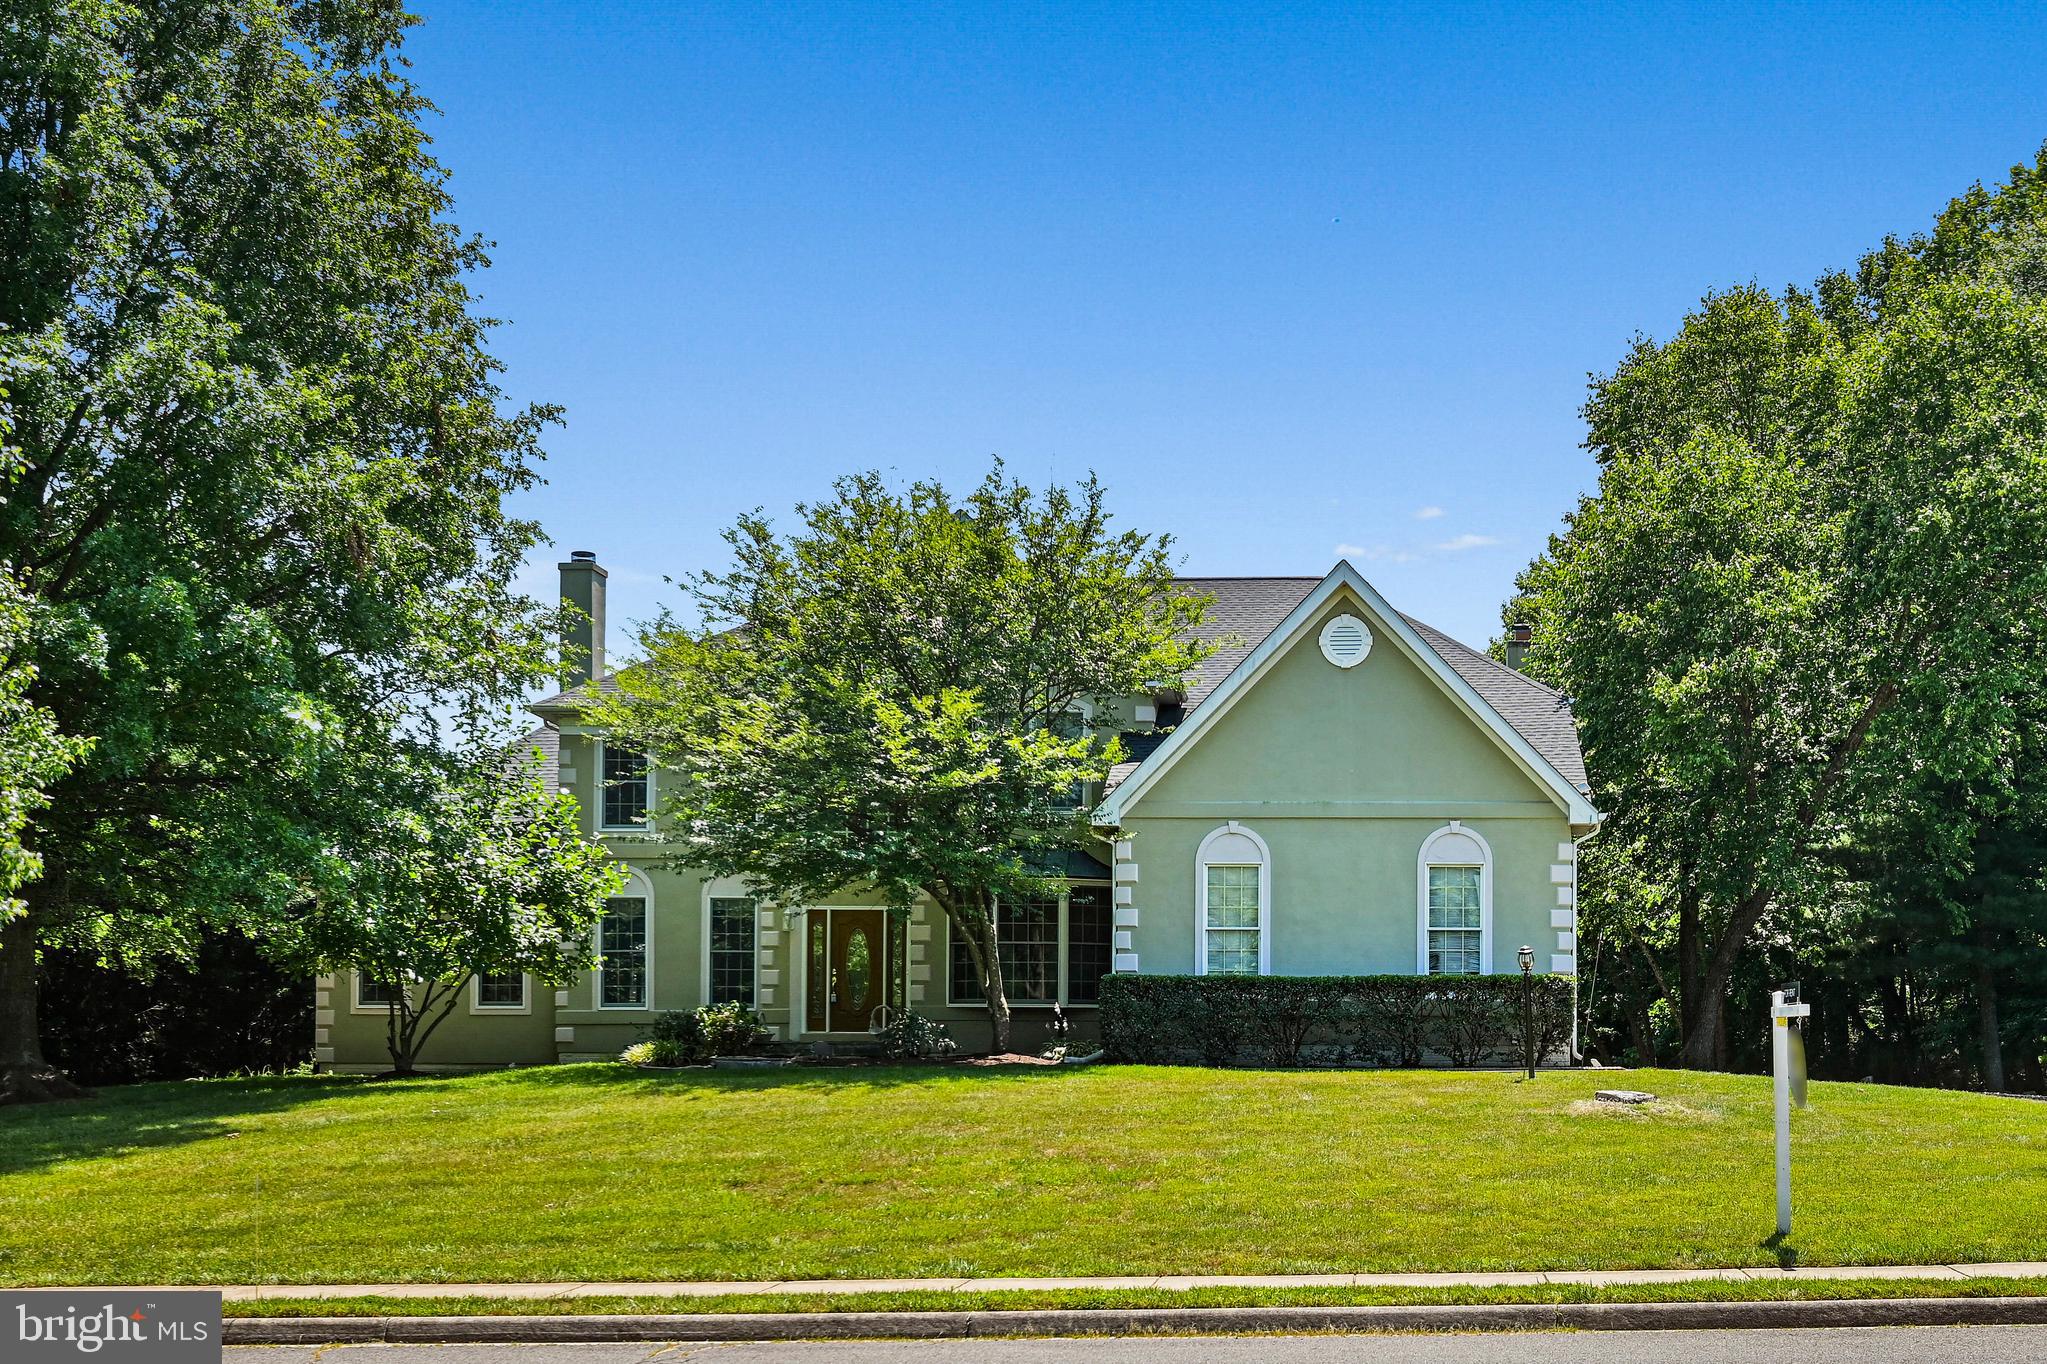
1341, 789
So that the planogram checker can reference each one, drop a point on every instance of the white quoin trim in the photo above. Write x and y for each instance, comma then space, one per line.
1232, 845
1456, 844
1345, 579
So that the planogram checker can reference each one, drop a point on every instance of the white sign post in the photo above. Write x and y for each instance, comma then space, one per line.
1787, 1055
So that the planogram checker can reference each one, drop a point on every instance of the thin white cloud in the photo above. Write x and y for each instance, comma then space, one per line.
1427, 513
1468, 541
1376, 554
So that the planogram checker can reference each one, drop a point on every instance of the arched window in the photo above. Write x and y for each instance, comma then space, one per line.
1454, 893
1233, 904
625, 944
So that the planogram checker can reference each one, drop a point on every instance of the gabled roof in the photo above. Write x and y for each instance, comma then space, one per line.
1531, 722
1244, 613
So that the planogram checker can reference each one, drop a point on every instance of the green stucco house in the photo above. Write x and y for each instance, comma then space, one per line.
1342, 790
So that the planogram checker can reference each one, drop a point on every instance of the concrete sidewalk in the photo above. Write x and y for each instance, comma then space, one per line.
249, 1292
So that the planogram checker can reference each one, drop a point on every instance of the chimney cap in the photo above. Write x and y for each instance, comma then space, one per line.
583, 556
1521, 634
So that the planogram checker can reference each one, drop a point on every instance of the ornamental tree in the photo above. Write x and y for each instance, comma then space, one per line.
259, 461
886, 699
471, 866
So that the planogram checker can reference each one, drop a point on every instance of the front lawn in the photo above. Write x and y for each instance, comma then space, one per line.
596, 1173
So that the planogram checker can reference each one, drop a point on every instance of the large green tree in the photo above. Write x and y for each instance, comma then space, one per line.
257, 519
1811, 577
886, 698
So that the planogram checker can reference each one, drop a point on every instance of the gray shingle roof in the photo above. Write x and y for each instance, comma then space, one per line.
566, 700
1540, 714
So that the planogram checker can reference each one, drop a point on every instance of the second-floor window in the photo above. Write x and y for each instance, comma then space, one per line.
626, 792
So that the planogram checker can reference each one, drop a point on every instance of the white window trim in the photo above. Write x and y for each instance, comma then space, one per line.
355, 1004
1423, 861
727, 888
1202, 862
637, 887
1065, 987
524, 1006
598, 789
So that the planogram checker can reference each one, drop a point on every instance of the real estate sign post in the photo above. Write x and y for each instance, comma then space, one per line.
1787, 1067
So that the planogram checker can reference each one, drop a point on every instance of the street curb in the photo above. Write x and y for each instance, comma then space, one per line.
1137, 1321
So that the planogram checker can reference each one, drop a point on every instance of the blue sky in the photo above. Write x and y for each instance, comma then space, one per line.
1296, 281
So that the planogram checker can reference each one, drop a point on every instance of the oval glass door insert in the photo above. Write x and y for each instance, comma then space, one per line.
859, 969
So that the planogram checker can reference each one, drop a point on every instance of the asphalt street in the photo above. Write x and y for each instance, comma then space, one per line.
1865, 1345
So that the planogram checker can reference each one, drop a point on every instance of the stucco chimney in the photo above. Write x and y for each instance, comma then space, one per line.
1518, 637
583, 637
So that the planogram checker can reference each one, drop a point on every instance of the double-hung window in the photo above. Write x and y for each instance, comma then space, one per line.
1233, 917
1032, 937
626, 790
372, 994
622, 954
1455, 922
732, 930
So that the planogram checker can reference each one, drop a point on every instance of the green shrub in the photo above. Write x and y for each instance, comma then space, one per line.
683, 1034
654, 1052
911, 1036
1376, 1020
732, 1030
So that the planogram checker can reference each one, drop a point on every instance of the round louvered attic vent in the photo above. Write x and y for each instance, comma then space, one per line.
1346, 641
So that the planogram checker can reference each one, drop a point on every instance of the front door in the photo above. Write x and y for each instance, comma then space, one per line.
848, 968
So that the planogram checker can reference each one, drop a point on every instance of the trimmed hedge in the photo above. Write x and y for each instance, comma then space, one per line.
1333, 1020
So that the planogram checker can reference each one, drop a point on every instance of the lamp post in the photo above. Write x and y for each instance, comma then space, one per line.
1527, 957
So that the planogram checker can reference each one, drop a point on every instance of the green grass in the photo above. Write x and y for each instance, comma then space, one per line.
1070, 1299
596, 1173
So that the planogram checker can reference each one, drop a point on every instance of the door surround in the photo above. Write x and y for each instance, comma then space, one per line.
836, 942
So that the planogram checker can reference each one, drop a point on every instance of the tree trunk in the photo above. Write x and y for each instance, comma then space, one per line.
1705, 1041
992, 986
25, 1077
1986, 1016
1689, 987
1640, 1030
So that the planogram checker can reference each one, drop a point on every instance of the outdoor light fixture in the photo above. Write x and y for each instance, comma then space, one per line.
1527, 956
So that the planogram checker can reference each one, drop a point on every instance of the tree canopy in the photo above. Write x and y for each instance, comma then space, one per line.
890, 697
1809, 585
469, 866
256, 516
